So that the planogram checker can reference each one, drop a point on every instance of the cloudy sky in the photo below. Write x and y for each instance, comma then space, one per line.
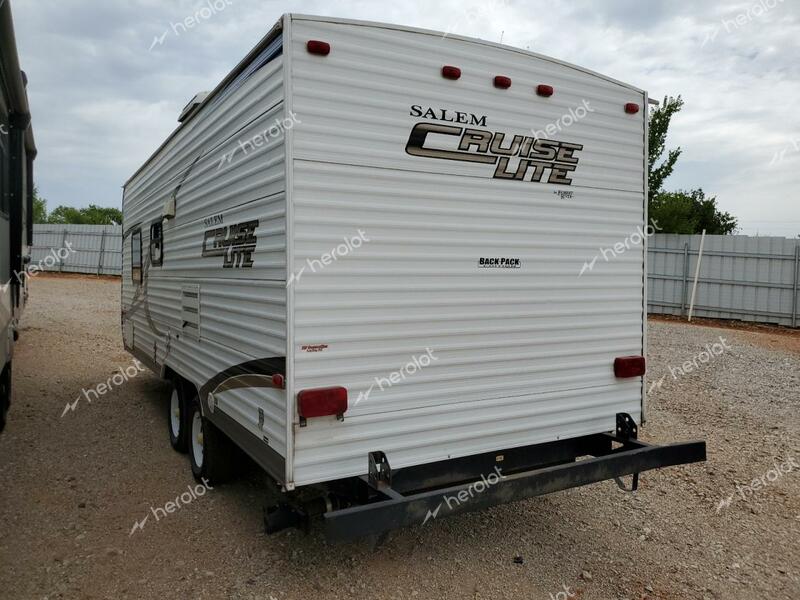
103, 100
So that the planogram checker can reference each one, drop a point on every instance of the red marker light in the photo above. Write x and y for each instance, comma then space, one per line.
322, 402
631, 108
278, 381
449, 72
545, 90
629, 366
318, 47
502, 82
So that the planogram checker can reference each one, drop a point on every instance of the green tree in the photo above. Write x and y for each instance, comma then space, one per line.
690, 212
710, 217
685, 212
68, 215
657, 143
39, 207
65, 215
91, 215
102, 215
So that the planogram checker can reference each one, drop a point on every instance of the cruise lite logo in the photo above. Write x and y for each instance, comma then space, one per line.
537, 160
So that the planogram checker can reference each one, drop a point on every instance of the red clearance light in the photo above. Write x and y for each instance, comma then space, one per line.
502, 82
317, 47
545, 90
278, 381
631, 108
322, 402
629, 366
449, 72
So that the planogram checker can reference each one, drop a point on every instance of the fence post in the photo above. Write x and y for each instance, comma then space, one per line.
63, 245
102, 253
685, 278
796, 281
697, 273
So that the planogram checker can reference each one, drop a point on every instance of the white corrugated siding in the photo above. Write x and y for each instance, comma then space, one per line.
242, 311
523, 356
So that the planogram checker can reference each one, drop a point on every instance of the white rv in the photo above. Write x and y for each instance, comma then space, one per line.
373, 259
17, 152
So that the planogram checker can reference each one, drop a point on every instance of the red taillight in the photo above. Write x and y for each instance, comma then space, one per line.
631, 108
629, 366
322, 402
278, 381
449, 72
545, 90
318, 47
502, 82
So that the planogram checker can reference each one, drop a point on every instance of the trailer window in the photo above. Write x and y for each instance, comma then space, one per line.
156, 244
136, 256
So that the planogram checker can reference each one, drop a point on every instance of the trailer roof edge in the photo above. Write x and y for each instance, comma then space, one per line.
432, 32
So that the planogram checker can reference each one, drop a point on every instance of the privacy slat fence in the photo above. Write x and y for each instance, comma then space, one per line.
747, 278
95, 249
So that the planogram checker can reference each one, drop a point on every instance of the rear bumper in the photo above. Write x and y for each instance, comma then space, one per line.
528, 472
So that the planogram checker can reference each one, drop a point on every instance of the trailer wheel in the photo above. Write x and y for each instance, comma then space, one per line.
177, 418
211, 453
5, 395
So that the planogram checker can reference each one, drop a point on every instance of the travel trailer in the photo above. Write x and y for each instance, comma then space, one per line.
17, 152
375, 259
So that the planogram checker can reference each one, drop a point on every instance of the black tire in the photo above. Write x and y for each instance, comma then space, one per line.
178, 418
212, 454
5, 395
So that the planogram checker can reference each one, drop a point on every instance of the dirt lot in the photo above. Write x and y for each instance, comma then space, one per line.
72, 487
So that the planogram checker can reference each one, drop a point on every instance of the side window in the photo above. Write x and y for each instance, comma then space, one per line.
136, 256
157, 244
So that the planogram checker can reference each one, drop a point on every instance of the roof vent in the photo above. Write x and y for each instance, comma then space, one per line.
193, 105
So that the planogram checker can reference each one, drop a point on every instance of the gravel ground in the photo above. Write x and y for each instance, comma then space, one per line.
73, 487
